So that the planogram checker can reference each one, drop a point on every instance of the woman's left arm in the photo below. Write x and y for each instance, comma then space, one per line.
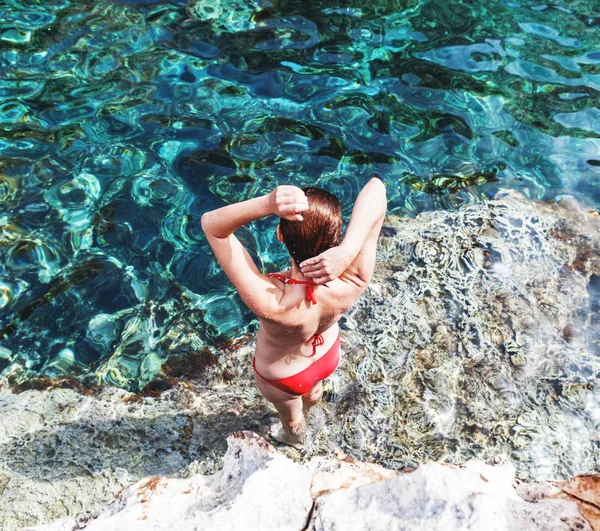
220, 224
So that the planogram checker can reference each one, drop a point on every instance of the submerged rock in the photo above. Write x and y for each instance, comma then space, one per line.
479, 335
260, 489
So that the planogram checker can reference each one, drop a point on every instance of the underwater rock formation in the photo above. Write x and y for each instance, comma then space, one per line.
479, 336
260, 489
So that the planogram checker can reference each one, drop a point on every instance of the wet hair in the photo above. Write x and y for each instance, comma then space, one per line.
320, 230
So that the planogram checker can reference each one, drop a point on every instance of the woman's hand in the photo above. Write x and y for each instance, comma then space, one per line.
328, 266
287, 201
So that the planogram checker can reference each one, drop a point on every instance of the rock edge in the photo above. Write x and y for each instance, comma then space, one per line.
259, 488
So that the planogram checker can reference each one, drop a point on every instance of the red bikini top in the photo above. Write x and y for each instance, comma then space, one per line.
310, 296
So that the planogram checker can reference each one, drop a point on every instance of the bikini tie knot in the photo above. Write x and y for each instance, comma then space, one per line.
317, 342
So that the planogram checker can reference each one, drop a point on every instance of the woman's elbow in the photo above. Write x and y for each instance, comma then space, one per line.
206, 222
212, 226
382, 196
377, 184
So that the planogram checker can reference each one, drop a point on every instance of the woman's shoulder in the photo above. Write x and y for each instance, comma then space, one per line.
334, 297
341, 293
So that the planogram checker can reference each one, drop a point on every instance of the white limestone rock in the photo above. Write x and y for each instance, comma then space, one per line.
442, 497
257, 488
64, 524
344, 472
260, 489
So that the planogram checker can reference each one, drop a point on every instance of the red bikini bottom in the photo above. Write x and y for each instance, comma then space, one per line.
304, 381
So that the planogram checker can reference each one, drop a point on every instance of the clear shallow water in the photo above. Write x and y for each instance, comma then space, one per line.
122, 122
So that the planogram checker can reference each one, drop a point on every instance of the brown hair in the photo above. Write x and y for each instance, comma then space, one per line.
320, 230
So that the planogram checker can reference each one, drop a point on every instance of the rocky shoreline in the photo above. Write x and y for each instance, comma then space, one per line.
259, 489
479, 336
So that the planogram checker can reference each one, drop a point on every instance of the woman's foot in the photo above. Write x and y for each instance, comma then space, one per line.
294, 436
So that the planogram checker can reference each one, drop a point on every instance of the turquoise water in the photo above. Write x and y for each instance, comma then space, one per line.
122, 122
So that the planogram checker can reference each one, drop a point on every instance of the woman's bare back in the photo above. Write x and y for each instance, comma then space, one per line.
284, 342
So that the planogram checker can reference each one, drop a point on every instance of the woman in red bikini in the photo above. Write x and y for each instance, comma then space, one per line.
298, 343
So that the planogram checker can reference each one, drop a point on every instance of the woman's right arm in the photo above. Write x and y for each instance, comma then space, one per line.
355, 256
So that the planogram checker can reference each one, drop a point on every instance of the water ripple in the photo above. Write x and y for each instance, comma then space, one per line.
122, 122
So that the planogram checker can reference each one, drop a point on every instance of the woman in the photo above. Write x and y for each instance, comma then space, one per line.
297, 345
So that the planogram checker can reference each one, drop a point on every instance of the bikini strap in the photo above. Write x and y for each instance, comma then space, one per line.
310, 293
310, 286
317, 342
310, 296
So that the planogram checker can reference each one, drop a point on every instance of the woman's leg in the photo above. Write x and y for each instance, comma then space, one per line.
312, 398
289, 408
